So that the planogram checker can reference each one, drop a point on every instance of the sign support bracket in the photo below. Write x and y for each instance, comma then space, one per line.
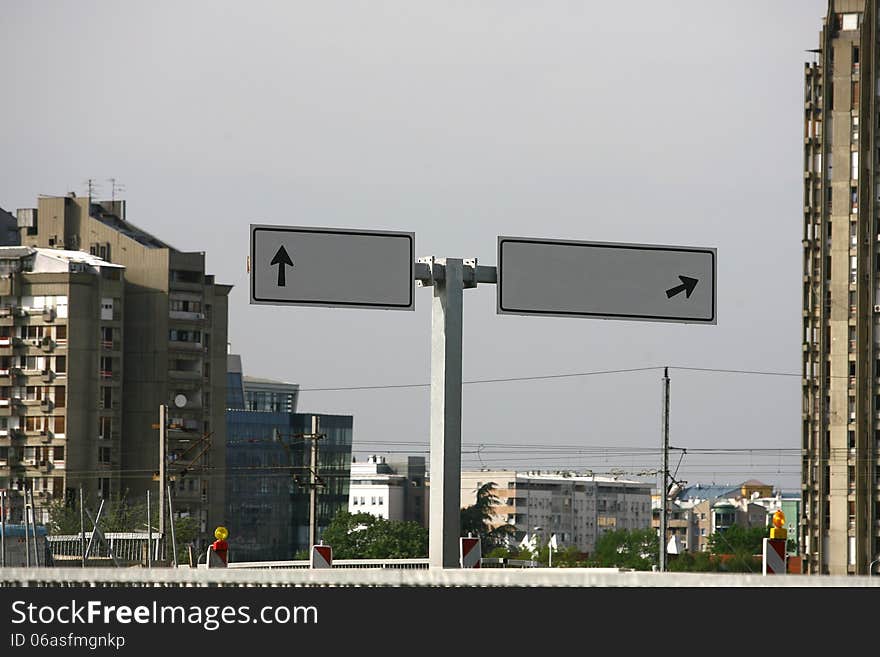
449, 277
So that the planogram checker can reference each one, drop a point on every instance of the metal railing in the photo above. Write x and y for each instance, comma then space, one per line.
381, 564
130, 547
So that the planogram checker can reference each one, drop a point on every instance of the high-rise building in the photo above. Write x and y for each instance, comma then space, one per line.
61, 367
174, 353
841, 295
269, 466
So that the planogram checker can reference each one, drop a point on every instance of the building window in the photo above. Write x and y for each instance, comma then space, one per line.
847, 22
104, 455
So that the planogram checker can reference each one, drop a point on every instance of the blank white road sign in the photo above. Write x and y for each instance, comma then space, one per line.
332, 267
606, 280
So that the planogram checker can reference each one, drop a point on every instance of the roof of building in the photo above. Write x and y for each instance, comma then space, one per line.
55, 260
255, 379
708, 492
76, 256
560, 476
101, 213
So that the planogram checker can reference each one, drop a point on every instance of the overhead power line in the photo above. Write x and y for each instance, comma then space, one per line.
570, 375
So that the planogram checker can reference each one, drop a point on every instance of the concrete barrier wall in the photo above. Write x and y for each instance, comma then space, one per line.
530, 577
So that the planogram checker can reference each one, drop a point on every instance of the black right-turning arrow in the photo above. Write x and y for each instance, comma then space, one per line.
687, 286
282, 259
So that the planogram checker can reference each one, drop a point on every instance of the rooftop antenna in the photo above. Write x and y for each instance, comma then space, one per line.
91, 188
115, 186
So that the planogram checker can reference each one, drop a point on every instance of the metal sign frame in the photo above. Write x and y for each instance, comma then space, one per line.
636, 316
342, 266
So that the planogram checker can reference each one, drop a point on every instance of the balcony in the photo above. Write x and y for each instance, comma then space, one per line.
49, 314
47, 344
47, 375
186, 316
190, 375
46, 435
46, 405
109, 345
185, 346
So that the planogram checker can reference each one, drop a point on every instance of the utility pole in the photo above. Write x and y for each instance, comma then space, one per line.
149, 533
82, 527
27, 539
664, 473
171, 524
163, 458
34, 528
314, 482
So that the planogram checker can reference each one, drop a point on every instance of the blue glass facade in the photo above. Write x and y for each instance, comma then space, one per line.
267, 511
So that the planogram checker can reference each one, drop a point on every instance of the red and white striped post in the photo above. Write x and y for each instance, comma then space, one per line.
773, 562
470, 551
322, 556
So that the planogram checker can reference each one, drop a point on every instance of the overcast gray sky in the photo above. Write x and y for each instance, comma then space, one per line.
667, 123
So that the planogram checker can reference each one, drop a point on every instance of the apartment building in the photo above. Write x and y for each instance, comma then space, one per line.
394, 490
576, 508
174, 353
61, 371
840, 471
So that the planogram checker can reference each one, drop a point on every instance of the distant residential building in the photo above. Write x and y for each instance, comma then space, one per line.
61, 371
174, 352
576, 508
268, 460
394, 490
696, 512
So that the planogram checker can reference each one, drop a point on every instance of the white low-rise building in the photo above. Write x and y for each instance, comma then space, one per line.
394, 491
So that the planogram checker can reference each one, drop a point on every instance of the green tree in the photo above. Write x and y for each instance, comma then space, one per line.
365, 536
637, 549
739, 545
476, 519
736, 539
702, 562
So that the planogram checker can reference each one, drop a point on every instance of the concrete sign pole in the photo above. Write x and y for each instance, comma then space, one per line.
446, 354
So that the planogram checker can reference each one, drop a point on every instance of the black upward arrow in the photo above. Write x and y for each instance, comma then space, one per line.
687, 286
282, 259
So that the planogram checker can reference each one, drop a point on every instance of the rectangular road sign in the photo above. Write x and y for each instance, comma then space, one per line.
606, 280
332, 267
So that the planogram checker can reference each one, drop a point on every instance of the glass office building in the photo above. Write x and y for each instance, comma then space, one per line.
268, 470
